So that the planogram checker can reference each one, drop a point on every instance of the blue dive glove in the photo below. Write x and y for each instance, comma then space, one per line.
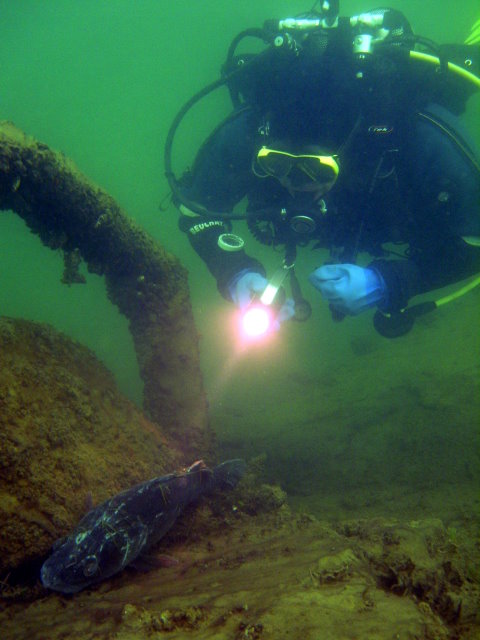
349, 288
244, 286
247, 284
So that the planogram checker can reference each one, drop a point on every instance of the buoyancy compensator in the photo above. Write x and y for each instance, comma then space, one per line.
372, 46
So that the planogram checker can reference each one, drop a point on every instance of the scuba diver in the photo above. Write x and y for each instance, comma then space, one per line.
345, 135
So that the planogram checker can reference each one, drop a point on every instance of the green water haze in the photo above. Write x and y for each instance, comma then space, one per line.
336, 408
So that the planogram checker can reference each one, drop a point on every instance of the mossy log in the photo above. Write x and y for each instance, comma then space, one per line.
149, 286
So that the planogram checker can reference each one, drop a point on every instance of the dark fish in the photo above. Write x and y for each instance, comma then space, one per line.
115, 533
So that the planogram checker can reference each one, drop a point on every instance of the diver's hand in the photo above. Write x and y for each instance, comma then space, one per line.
245, 286
248, 284
349, 288
287, 311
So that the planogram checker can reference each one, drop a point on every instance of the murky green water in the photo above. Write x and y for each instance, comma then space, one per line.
334, 407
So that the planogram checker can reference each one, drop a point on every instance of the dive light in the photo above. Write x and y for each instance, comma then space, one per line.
260, 317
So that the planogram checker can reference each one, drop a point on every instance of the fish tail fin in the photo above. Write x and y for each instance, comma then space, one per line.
227, 474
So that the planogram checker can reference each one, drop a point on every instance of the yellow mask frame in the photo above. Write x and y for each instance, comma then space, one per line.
279, 164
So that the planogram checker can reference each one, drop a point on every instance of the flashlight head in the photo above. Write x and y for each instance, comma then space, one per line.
257, 321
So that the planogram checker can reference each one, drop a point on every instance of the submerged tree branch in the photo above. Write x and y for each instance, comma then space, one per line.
148, 285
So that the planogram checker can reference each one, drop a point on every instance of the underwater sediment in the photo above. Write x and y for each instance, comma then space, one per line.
264, 573
66, 433
246, 567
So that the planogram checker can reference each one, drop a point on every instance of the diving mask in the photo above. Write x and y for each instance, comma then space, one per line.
322, 169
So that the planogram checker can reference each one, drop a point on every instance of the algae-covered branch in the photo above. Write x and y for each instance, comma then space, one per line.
148, 285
